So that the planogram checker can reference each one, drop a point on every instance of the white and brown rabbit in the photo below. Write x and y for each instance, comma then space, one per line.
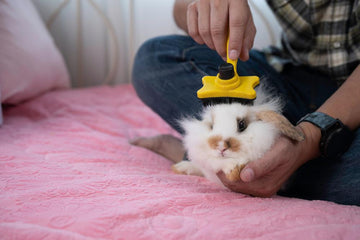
230, 135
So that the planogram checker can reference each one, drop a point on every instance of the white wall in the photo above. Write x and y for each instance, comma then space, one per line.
84, 40
134, 21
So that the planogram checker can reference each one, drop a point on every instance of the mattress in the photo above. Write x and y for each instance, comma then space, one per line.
67, 171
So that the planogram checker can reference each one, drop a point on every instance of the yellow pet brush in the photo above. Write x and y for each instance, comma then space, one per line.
227, 86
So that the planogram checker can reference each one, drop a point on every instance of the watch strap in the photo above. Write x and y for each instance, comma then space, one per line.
336, 137
319, 119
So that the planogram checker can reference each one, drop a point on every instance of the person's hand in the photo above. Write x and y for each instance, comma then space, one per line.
265, 176
211, 21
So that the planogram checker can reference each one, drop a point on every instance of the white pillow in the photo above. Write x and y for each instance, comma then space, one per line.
30, 63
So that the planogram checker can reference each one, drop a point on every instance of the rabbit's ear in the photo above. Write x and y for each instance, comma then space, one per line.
281, 123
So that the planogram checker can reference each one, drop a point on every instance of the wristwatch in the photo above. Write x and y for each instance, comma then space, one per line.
336, 137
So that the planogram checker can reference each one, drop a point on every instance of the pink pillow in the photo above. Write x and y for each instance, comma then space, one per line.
30, 63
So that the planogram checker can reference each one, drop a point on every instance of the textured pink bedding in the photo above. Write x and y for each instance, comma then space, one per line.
67, 171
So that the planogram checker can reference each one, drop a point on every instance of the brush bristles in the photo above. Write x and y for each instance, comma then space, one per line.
225, 100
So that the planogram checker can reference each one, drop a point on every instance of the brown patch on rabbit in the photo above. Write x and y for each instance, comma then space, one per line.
234, 175
231, 143
234, 144
214, 141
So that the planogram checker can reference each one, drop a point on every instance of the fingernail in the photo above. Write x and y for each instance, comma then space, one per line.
247, 175
233, 55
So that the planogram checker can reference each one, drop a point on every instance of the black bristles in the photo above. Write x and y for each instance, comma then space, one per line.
225, 100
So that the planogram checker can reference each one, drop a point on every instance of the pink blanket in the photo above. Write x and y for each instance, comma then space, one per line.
67, 171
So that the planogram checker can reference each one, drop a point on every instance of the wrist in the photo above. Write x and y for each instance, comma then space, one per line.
335, 137
310, 146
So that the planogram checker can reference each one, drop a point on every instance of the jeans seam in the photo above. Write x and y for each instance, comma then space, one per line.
192, 62
197, 68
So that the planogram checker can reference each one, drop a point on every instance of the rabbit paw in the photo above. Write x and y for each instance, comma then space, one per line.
186, 168
234, 174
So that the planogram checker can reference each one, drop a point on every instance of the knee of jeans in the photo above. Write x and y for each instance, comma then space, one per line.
146, 65
149, 46
148, 53
155, 54
143, 61
160, 44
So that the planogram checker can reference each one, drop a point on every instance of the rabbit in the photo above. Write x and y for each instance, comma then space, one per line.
228, 136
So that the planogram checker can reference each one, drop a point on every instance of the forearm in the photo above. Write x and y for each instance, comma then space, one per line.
179, 13
344, 104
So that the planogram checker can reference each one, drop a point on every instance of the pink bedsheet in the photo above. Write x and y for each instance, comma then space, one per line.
67, 171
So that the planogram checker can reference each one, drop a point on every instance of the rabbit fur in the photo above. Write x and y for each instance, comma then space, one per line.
228, 136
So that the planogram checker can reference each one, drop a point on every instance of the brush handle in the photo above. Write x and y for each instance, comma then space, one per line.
228, 60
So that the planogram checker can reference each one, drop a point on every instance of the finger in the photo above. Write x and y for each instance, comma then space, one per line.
238, 19
248, 41
203, 7
192, 23
241, 187
219, 25
260, 167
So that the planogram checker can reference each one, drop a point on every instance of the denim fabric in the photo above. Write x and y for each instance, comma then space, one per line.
167, 74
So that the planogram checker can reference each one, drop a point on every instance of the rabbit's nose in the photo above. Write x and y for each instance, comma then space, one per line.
217, 142
223, 146
222, 151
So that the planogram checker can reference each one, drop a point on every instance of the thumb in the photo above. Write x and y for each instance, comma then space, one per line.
256, 169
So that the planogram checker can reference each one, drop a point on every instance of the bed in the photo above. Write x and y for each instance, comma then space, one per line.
67, 170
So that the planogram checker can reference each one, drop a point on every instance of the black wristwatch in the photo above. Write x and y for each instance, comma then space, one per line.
336, 137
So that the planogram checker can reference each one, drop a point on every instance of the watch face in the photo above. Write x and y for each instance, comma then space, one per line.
337, 142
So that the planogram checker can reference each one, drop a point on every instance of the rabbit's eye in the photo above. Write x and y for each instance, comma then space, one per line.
241, 125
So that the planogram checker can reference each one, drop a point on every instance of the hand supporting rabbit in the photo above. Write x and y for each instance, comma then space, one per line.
264, 177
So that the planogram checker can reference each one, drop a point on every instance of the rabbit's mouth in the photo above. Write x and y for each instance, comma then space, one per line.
224, 153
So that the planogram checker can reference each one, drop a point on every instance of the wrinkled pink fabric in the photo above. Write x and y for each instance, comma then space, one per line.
67, 171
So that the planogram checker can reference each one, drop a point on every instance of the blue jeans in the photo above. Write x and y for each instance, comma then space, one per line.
167, 73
